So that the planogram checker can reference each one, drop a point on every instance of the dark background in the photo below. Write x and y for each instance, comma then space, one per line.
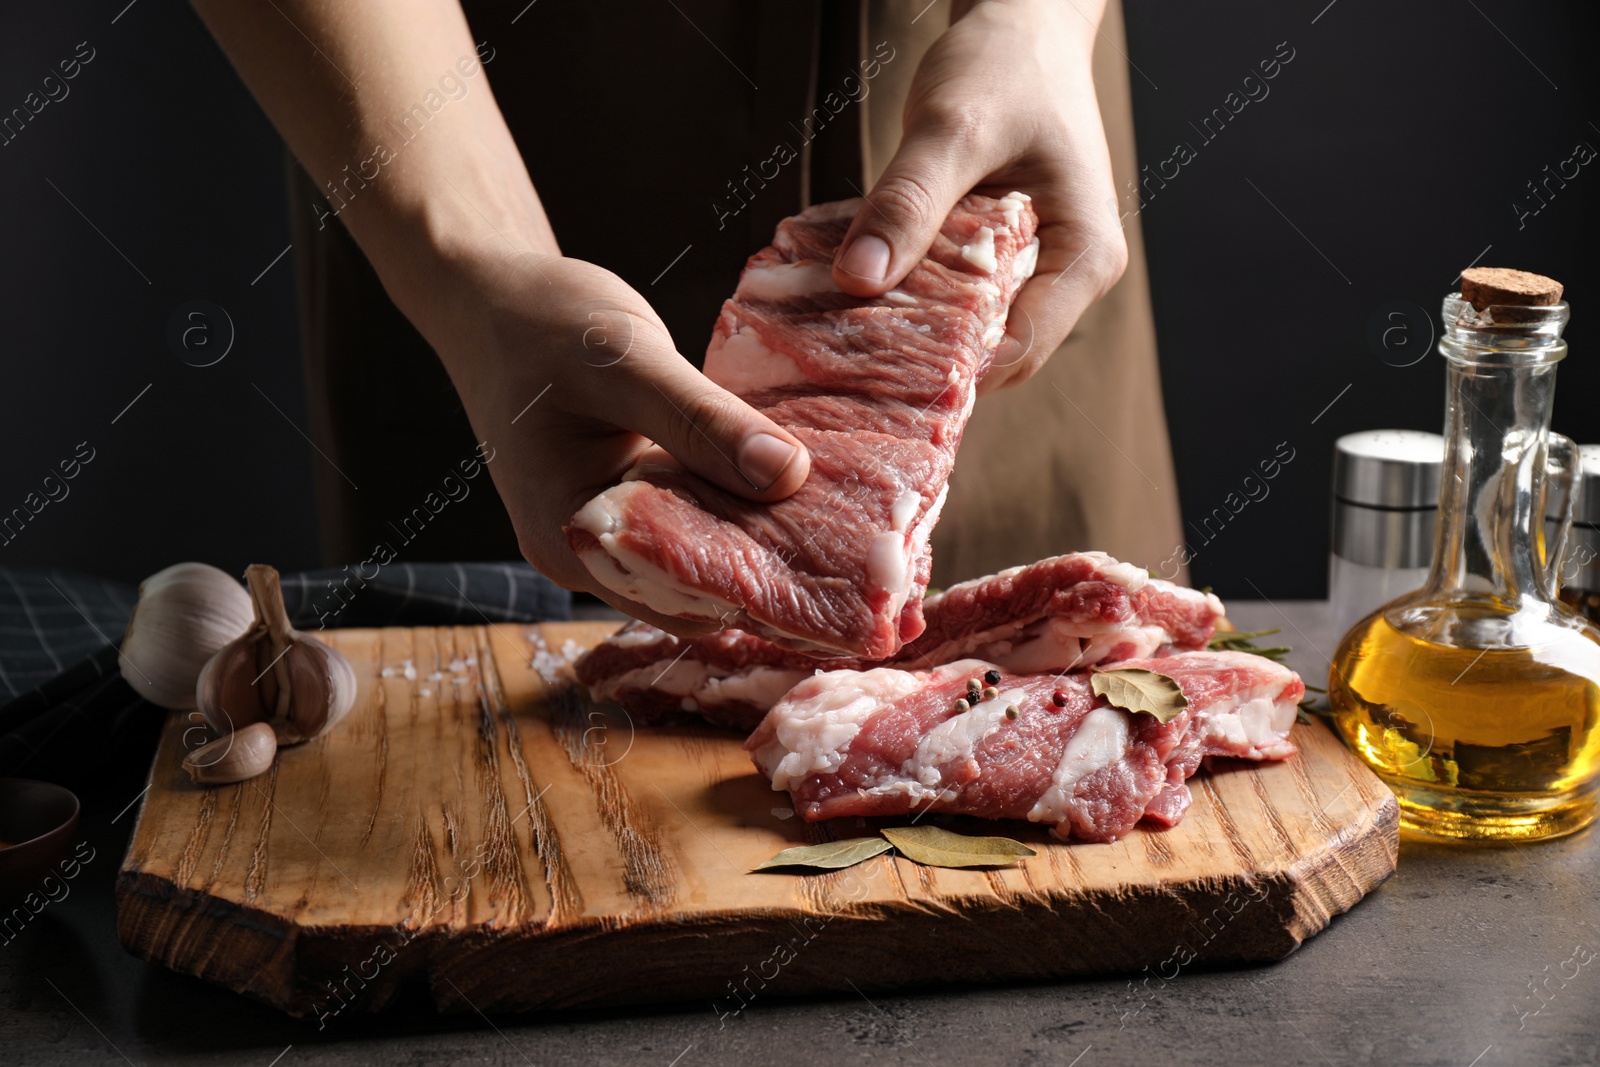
1396, 141
1385, 159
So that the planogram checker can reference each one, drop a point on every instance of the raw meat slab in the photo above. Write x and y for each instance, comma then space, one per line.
1043, 749
1074, 610
878, 390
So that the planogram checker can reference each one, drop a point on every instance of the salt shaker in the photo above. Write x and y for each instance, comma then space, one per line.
1385, 507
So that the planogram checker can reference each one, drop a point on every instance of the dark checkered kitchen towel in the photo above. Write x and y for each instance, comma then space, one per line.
68, 716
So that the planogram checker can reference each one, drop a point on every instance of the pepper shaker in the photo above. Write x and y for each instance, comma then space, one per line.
1580, 564
1385, 510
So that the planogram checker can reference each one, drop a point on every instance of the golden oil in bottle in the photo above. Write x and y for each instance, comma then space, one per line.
1485, 743
1477, 697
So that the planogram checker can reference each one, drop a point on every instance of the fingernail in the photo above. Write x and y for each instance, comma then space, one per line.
763, 458
867, 257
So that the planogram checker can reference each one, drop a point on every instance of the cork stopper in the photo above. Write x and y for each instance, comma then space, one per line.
1485, 286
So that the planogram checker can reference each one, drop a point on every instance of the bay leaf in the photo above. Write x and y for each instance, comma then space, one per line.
937, 847
1136, 689
830, 855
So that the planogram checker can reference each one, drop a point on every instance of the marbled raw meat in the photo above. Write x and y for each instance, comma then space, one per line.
1068, 611
879, 390
888, 741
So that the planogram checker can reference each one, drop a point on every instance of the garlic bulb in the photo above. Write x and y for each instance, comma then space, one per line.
275, 674
184, 615
233, 757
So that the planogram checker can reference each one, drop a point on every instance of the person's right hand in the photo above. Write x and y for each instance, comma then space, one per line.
1004, 100
569, 375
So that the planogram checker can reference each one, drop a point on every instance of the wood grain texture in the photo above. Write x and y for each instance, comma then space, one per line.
482, 829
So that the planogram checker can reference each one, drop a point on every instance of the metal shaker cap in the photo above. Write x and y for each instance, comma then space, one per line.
1586, 492
1388, 468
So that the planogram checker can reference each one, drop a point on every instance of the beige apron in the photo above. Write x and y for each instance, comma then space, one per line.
1075, 458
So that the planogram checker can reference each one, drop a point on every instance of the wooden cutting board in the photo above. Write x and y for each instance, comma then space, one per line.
473, 826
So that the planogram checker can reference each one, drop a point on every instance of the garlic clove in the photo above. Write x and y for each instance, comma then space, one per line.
274, 674
324, 687
227, 693
185, 614
233, 757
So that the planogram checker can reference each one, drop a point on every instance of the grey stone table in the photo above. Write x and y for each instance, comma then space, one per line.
1465, 958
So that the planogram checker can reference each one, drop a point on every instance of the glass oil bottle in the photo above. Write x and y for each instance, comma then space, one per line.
1477, 697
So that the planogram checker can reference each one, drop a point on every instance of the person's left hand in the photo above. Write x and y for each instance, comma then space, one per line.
1003, 100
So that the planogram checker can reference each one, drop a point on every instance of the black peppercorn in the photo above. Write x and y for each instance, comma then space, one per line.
992, 677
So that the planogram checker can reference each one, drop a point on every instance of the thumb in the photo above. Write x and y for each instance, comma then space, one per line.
712, 432
894, 229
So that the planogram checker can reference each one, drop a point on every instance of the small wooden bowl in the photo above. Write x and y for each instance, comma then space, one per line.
37, 821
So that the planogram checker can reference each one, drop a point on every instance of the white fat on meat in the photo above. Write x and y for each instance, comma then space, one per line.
1027, 262
888, 565
971, 400
892, 556
1144, 639
1046, 645
778, 282
958, 737
680, 679
1253, 722
631, 575
918, 548
1101, 740
1263, 721
1126, 575
904, 510
1056, 644
1011, 207
980, 250
743, 363
822, 714
759, 687
635, 635
701, 686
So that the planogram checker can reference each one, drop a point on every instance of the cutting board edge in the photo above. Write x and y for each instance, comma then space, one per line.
1330, 887
157, 919
1302, 897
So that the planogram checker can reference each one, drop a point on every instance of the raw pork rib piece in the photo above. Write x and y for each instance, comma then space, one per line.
730, 677
888, 741
1068, 611
878, 390
1061, 613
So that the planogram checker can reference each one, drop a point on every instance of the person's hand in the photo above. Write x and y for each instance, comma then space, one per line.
568, 375
1003, 100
